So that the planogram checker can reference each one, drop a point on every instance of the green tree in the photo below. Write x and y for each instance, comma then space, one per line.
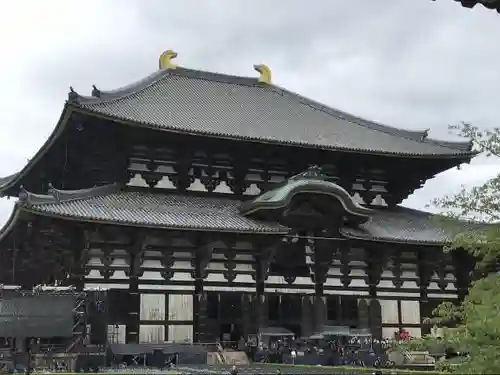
476, 321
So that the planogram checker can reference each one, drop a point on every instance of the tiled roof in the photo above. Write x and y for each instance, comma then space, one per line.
219, 214
226, 106
408, 225
158, 210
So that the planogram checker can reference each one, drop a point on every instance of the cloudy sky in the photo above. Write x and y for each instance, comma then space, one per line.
413, 64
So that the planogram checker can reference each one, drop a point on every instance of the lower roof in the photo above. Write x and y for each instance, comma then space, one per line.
110, 205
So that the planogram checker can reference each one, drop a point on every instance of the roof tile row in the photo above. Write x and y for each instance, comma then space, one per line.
242, 108
222, 214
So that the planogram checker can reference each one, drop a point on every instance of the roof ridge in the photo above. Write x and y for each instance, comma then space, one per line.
101, 96
58, 195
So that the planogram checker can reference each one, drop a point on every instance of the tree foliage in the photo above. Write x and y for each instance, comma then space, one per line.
476, 321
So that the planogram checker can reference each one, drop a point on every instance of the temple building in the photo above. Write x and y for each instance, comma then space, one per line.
212, 205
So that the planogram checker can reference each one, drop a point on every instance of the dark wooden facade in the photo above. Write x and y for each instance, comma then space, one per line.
155, 215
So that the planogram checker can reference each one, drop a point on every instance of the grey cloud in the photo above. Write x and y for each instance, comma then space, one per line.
413, 63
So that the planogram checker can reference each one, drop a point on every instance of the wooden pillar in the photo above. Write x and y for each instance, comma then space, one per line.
375, 259
136, 252
395, 257
78, 271
203, 256
13, 273
321, 265
134, 301
363, 313
464, 265
246, 313
262, 264
375, 318
307, 327
260, 299
425, 268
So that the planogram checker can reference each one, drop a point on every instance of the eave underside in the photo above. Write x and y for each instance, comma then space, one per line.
107, 162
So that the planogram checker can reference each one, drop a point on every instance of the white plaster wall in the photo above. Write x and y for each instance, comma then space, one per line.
414, 331
216, 266
94, 274
180, 333
151, 263
94, 261
410, 312
216, 277
152, 307
182, 276
409, 275
151, 334
244, 257
334, 282
243, 267
180, 307
387, 274
388, 333
119, 275
117, 334
303, 280
182, 265
244, 278
358, 283
107, 286
389, 311
151, 275
386, 284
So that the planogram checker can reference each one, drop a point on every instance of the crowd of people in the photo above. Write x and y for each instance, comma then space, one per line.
341, 350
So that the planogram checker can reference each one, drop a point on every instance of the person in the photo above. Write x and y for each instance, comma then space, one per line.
234, 370
293, 354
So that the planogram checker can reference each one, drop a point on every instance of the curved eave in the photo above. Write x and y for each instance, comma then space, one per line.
414, 135
11, 222
100, 96
345, 232
463, 149
55, 196
462, 156
16, 179
77, 218
333, 190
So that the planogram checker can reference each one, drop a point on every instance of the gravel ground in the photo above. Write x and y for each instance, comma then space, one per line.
254, 369
257, 369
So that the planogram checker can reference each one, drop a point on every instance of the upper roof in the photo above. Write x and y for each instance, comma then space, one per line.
226, 106
112, 205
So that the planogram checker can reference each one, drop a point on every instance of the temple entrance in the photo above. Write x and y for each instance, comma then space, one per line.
225, 315
342, 311
230, 333
285, 310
